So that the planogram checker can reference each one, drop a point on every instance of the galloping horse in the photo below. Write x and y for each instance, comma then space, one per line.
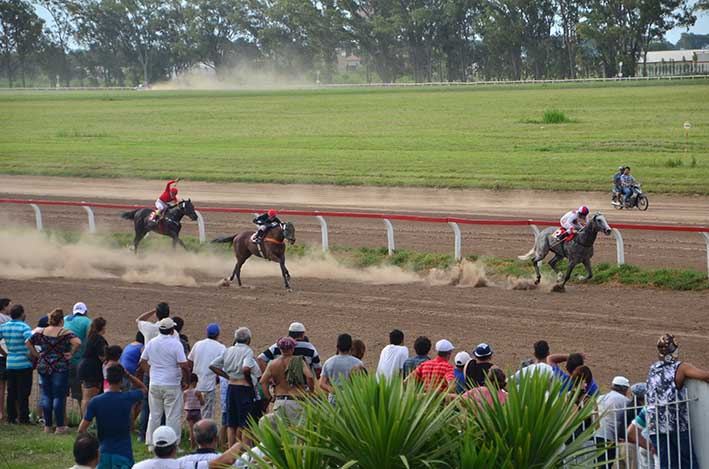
169, 225
273, 248
578, 250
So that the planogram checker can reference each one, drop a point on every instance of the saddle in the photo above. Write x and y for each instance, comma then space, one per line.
564, 236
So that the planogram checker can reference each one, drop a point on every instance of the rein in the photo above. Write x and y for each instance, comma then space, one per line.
274, 241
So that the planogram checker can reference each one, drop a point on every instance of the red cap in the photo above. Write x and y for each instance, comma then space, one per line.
173, 190
272, 213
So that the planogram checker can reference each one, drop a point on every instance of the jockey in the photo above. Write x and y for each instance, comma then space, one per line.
627, 183
167, 198
617, 187
265, 221
573, 221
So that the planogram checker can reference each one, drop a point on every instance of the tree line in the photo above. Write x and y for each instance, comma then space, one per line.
129, 42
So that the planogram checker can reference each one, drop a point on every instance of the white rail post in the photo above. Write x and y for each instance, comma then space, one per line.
37, 216
323, 230
706, 240
390, 236
619, 246
92, 220
200, 227
457, 250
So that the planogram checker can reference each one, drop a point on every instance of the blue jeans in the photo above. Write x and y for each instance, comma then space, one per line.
627, 191
54, 390
679, 450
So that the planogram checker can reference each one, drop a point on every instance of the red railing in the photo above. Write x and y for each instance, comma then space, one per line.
453, 222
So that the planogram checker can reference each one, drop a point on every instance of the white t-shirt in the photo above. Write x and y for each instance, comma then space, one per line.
541, 368
157, 463
149, 330
163, 354
202, 355
391, 360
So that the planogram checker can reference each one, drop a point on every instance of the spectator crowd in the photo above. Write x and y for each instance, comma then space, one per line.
161, 387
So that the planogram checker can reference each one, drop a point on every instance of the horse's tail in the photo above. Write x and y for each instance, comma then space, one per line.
224, 239
129, 215
527, 256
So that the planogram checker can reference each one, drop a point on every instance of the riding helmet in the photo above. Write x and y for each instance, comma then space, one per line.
583, 210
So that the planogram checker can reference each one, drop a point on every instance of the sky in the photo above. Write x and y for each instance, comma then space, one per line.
700, 27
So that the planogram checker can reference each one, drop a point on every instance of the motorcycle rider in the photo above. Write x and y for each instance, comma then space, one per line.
617, 186
573, 221
627, 183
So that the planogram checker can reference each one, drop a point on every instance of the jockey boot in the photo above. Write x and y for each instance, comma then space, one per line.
258, 236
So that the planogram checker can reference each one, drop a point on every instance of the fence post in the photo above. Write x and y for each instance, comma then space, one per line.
200, 227
390, 236
92, 220
323, 229
458, 251
619, 246
37, 216
706, 240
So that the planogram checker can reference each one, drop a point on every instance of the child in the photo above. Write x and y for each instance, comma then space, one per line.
194, 400
113, 357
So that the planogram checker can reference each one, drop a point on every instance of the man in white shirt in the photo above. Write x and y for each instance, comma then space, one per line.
150, 329
206, 435
165, 441
612, 408
201, 356
393, 356
168, 367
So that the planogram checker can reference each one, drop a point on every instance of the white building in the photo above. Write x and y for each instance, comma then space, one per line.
675, 62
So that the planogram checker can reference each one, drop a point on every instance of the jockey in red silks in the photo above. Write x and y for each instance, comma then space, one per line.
167, 198
265, 221
573, 221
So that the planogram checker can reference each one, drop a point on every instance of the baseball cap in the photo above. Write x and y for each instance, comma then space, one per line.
296, 327
80, 308
166, 324
164, 436
621, 381
444, 345
639, 389
213, 329
483, 350
461, 358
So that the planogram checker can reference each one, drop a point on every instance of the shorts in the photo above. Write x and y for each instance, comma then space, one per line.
3, 369
240, 405
193, 415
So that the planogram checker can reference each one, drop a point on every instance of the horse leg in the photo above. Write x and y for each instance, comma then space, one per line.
136, 241
589, 270
284, 271
570, 269
176, 241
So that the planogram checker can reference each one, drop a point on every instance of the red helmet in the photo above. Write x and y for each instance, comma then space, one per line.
583, 210
272, 213
173, 190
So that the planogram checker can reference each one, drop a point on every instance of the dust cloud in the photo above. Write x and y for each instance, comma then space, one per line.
29, 255
234, 78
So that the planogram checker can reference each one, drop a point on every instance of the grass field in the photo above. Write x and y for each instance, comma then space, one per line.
469, 137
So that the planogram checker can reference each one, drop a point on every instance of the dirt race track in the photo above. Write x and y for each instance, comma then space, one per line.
616, 326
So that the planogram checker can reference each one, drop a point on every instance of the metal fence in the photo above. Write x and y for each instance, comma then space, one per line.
321, 216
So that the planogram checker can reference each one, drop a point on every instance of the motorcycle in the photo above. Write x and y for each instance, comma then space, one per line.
637, 199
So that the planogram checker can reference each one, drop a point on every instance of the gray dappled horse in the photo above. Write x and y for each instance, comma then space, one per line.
579, 250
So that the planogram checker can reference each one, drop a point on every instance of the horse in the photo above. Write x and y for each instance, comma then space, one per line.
169, 225
273, 248
578, 250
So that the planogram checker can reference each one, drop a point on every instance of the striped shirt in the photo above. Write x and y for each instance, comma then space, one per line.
16, 333
302, 349
435, 374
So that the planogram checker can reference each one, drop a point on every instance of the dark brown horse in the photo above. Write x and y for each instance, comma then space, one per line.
273, 248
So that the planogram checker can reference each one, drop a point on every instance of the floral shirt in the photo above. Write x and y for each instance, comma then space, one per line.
662, 415
51, 358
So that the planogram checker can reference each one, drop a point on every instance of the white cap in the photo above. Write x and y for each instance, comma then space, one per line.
461, 358
444, 345
296, 327
621, 381
166, 324
80, 308
164, 436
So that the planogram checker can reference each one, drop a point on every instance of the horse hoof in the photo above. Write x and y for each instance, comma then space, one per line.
536, 282
558, 288
223, 283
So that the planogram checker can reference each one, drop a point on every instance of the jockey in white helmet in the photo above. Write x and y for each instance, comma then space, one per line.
574, 220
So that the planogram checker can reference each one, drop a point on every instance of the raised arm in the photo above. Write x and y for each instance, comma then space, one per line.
145, 315
687, 371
